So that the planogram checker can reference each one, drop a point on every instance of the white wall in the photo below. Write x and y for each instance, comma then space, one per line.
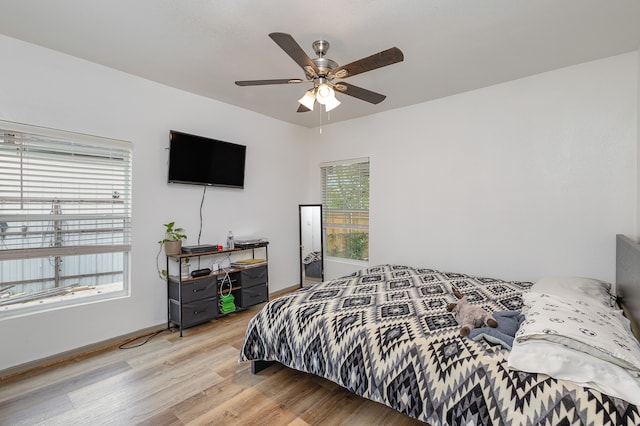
518, 180
45, 88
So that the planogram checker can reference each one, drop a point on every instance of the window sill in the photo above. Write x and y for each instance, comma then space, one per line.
75, 298
362, 263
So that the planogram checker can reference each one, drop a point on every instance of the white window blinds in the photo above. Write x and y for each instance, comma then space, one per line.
62, 193
345, 201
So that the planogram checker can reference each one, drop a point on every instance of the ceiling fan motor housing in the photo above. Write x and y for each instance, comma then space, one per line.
324, 66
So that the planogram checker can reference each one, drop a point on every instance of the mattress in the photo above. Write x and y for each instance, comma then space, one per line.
385, 334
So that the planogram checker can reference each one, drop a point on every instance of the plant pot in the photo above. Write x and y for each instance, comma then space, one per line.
172, 248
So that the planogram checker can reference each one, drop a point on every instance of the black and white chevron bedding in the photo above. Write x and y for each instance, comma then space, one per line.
384, 333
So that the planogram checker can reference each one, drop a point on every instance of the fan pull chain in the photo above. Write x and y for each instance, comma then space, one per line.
328, 118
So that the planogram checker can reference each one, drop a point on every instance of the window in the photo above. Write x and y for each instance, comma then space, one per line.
345, 202
65, 217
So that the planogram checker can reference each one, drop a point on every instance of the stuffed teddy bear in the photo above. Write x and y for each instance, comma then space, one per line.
469, 316
508, 324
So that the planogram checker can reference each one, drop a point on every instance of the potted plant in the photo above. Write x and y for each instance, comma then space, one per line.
172, 239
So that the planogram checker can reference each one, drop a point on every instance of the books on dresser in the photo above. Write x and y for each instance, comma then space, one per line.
245, 263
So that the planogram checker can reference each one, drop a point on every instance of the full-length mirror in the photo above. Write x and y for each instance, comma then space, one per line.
311, 244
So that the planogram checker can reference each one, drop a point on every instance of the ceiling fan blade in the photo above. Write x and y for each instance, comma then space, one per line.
303, 108
263, 82
377, 60
293, 49
359, 92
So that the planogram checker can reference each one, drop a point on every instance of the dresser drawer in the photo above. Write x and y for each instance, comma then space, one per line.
253, 295
194, 289
194, 312
253, 276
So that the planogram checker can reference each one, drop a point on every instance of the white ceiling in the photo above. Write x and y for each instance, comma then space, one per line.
450, 46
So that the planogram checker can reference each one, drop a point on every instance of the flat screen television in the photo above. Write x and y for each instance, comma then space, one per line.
198, 160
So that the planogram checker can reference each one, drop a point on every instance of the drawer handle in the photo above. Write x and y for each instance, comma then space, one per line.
197, 290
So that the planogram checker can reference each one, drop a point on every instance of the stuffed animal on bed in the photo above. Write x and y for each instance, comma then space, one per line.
469, 316
508, 324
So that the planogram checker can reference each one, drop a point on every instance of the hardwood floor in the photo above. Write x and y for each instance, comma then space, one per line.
192, 380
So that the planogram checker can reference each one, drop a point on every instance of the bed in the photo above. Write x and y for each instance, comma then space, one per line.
385, 334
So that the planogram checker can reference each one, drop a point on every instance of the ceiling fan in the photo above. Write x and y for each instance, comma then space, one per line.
322, 72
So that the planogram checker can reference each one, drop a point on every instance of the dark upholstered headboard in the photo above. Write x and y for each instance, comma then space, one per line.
628, 279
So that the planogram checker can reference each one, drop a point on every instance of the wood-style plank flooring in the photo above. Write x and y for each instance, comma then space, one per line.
192, 380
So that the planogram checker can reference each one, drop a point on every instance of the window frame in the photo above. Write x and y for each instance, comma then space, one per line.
110, 162
362, 171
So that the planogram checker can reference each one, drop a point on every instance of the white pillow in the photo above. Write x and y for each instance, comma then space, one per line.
598, 331
559, 362
588, 290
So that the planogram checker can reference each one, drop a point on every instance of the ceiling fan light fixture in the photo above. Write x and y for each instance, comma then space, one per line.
331, 104
325, 93
308, 99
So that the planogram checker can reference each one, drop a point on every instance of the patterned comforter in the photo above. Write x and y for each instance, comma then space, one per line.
384, 333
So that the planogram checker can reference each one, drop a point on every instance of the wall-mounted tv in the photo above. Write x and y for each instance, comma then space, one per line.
198, 160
